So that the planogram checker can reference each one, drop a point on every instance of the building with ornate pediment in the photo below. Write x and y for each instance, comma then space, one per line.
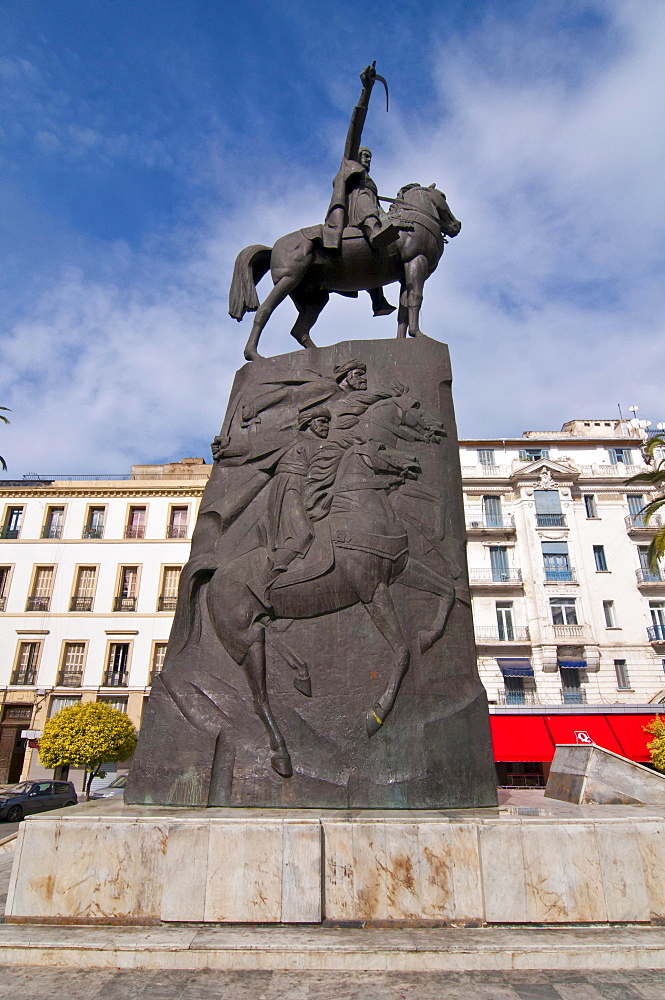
569, 620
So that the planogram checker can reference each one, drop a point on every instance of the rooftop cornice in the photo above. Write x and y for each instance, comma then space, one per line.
104, 490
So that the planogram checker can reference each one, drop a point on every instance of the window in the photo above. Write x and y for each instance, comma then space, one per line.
169, 595
504, 620
158, 657
590, 505
136, 523
555, 561
617, 455
534, 454
117, 666
563, 611
635, 505
55, 518
646, 574
60, 702
177, 522
657, 631
26, 664
599, 558
126, 599
610, 616
499, 563
40, 598
84, 592
12, 525
73, 660
515, 692
571, 686
95, 524
486, 456
492, 514
119, 704
548, 509
4, 585
623, 681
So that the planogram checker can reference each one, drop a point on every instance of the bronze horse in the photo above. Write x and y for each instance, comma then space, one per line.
303, 269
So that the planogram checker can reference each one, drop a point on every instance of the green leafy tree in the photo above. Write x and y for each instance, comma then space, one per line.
88, 736
3, 464
656, 746
656, 477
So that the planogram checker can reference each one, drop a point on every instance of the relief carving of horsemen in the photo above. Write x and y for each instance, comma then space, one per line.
358, 247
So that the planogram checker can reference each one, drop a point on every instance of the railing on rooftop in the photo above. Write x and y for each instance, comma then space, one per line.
47, 478
481, 471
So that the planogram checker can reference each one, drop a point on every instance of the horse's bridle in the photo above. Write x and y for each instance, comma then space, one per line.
421, 211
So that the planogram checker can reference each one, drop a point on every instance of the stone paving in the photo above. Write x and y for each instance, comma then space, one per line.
91, 984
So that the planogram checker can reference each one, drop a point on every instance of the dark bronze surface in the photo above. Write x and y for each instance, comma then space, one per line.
322, 651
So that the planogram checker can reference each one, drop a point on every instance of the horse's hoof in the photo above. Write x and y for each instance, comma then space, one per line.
281, 762
373, 722
416, 333
252, 355
426, 640
304, 685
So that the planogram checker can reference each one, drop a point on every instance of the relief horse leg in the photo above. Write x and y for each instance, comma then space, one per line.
254, 665
419, 576
382, 612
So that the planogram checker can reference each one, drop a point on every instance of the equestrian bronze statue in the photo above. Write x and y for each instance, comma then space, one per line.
358, 247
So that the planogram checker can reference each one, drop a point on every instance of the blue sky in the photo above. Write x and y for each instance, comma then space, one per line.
145, 143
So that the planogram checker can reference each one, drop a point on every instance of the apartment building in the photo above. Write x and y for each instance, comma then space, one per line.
570, 621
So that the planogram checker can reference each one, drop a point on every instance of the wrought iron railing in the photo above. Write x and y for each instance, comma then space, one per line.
573, 696
560, 575
9, 532
166, 603
116, 679
93, 531
80, 604
517, 698
648, 576
489, 576
637, 522
52, 531
489, 633
506, 522
3, 601
25, 677
176, 531
135, 531
551, 520
656, 633
124, 604
38, 604
70, 679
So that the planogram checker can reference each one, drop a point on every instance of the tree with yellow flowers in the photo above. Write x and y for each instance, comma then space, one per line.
87, 736
656, 746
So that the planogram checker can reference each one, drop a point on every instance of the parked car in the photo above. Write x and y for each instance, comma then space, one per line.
28, 797
112, 790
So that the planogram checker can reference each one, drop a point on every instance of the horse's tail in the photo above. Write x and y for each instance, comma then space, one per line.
192, 579
250, 266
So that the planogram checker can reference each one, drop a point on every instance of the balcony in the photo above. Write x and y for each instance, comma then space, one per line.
573, 696
570, 631
115, 679
9, 533
505, 523
176, 531
656, 633
495, 578
489, 634
52, 531
645, 577
135, 531
560, 575
166, 603
80, 604
636, 524
483, 471
25, 678
3, 601
124, 604
152, 677
38, 604
93, 531
551, 521
71, 679
517, 698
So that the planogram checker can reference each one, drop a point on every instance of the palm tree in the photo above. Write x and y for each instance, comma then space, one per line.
3, 464
656, 477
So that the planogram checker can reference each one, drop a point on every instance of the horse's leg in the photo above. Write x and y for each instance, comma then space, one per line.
233, 613
382, 612
276, 295
309, 306
302, 681
419, 576
402, 312
415, 272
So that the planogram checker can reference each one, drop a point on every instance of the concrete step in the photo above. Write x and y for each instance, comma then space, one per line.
303, 947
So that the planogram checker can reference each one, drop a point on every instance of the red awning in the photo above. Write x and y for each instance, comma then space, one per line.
534, 737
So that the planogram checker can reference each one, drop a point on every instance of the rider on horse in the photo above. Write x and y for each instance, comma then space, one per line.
355, 199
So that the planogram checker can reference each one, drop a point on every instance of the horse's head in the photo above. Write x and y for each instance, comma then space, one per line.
434, 202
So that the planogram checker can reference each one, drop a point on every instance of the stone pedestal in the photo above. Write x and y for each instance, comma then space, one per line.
587, 773
110, 863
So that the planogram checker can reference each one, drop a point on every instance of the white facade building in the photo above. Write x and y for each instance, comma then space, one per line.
569, 621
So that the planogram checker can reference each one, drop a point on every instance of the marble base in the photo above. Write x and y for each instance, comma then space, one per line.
104, 862
585, 774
